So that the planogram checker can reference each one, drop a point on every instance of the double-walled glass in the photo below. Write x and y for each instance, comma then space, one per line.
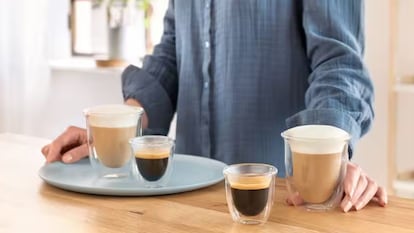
109, 128
250, 190
315, 162
153, 159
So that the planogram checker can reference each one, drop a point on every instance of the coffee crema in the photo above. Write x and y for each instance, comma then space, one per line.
111, 144
316, 176
250, 194
152, 163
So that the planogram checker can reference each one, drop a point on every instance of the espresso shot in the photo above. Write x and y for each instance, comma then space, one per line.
250, 189
153, 159
250, 195
152, 164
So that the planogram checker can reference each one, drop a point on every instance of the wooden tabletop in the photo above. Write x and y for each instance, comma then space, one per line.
27, 204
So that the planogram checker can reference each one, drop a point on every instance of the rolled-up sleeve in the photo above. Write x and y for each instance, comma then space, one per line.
155, 85
340, 91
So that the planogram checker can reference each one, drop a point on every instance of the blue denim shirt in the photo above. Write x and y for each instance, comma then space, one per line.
238, 73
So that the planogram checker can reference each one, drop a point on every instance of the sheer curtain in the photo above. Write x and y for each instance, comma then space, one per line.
32, 32
23, 64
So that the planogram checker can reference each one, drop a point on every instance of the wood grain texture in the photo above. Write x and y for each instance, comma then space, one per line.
110, 63
27, 204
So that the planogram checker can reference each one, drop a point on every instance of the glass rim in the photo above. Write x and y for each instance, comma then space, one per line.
306, 139
345, 137
141, 140
93, 111
272, 169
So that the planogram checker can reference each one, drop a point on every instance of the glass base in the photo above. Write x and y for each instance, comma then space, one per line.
124, 172
318, 207
250, 221
153, 186
115, 175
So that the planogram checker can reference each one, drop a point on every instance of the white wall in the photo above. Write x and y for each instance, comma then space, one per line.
371, 152
71, 91
405, 106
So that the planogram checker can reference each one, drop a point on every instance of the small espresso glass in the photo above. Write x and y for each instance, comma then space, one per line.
153, 159
109, 127
250, 190
315, 162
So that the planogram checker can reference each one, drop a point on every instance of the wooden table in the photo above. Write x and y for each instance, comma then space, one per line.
27, 204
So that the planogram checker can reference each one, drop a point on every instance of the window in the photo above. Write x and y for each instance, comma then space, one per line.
114, 29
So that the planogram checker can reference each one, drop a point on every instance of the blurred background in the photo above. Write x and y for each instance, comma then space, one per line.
59, 56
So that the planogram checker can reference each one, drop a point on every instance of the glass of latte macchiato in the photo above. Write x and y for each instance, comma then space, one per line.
315, 162
250, 189
109, 128
153, 159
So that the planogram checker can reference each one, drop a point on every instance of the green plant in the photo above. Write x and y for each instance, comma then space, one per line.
142, 4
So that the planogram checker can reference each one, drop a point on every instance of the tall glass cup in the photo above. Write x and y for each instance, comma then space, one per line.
315, 162
109, 128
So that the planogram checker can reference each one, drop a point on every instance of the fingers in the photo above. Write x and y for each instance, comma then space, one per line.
294, 199
352, 184
134, 102
360, 190
45, 150
353, 172
368, 194
346, 204
71, 138
75, 154
382, 197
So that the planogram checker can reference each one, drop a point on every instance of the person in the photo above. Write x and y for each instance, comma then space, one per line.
238, 73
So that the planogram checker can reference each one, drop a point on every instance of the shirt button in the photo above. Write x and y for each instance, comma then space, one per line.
206, 84
207, 44
207, 5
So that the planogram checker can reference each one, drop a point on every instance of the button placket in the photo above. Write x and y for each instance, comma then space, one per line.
205, 97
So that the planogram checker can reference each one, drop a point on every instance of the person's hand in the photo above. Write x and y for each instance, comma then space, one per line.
72, 145
134, 102
69, 147
361, 189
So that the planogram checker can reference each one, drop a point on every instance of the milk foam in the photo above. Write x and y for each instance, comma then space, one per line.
316, 139
113, 116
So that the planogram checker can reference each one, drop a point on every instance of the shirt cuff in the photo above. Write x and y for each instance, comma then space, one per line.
139, 85
332, 117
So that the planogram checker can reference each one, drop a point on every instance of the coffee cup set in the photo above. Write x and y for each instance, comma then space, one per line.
117, 150
315, 163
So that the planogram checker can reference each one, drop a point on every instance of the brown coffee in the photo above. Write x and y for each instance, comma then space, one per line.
111, 144
316, 176
152, 164
250, 194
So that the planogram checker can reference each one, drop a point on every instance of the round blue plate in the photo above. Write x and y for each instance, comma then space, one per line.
189, 173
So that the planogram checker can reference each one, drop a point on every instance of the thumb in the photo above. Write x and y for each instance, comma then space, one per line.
76, 154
